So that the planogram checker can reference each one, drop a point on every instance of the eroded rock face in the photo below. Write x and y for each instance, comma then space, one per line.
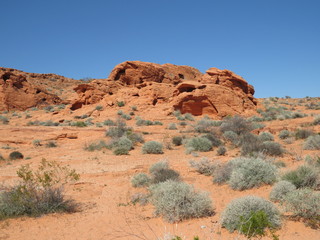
217, 92
16, 93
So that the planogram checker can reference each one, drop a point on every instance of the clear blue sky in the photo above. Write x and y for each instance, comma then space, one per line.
273, 44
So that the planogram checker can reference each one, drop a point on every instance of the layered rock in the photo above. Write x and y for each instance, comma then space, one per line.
217, 92
16, 93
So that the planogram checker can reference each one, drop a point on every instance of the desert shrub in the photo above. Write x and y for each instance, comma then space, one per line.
221, 150
36, 143
236, 124
176, 201
232, 137
316, 120
152, 147
312, 143
124, 143
204, 166
303, 133
140, 180
134, 108
39, 192
251, 172
266, 136
120, 151
78, 124
284, 134
140, 198
206, 125
120, 103
304, 203
272, 148
189, 116
222, 173
199, 144
15, 155
51, 144
313, 161
117, 131
158, 166
95, 146
280, 190
250, 144
172, 126
99, 107
177, 140
303, 176
216, 142
4, 119
241, 211
109, 122
163, 175
134, 137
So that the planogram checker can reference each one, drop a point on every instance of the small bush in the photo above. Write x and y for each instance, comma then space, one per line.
272, 148
199, 144
95, 146
109, 122
176, 201
158, 166
250, 144
134, 108
221, 151
120, 103
4, 120
172, 126
51, 144
117, 131
304, 203
303, 176
266, 136
120, 151
316, 120
39, 192
280, 190
36, 143
206, 125
177, 140
204, 166
284, 134
15, 155
222, 173
236, 124
240, 211
216, 142
99, 108
303, 133
140, 180
232, 137
251, 172
160, 172
152, 147
312, 143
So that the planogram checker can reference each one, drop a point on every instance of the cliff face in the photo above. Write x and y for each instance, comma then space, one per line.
184, 88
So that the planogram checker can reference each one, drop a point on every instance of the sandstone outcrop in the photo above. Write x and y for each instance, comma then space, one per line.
16, 93
217, 92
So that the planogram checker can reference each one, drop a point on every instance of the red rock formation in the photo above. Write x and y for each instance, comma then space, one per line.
16, 93
218, 92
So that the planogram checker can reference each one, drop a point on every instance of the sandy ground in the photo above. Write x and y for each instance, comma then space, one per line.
104, 189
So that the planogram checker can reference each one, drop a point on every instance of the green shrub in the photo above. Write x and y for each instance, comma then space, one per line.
216, 142
247, 209
109, 122
95, 146
158, 166
251, 172
204, 166
312, 143
284, 134
236, 124
272, 148
36, 143
51, 144
316, 120
99, 108
15, 155
304, 203
176, 201
199, 144
160, 172
189, 116
303, 176
120, 151
222, 173
303, 133
177, 140
140, 180
124, 143
206, 125
152, 147
78, 124
266, 136
4, 119
221, 150
120, 103
172, 126
232, 137
134, 108
280, 190
39, 192
250, 144
117, 131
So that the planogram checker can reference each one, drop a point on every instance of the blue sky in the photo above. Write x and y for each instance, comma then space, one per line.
274, 45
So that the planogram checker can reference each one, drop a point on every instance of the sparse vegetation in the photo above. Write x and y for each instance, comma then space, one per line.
204, 166
284, 134
302, 177
140, 180
200, 144
312, 143
152, 147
